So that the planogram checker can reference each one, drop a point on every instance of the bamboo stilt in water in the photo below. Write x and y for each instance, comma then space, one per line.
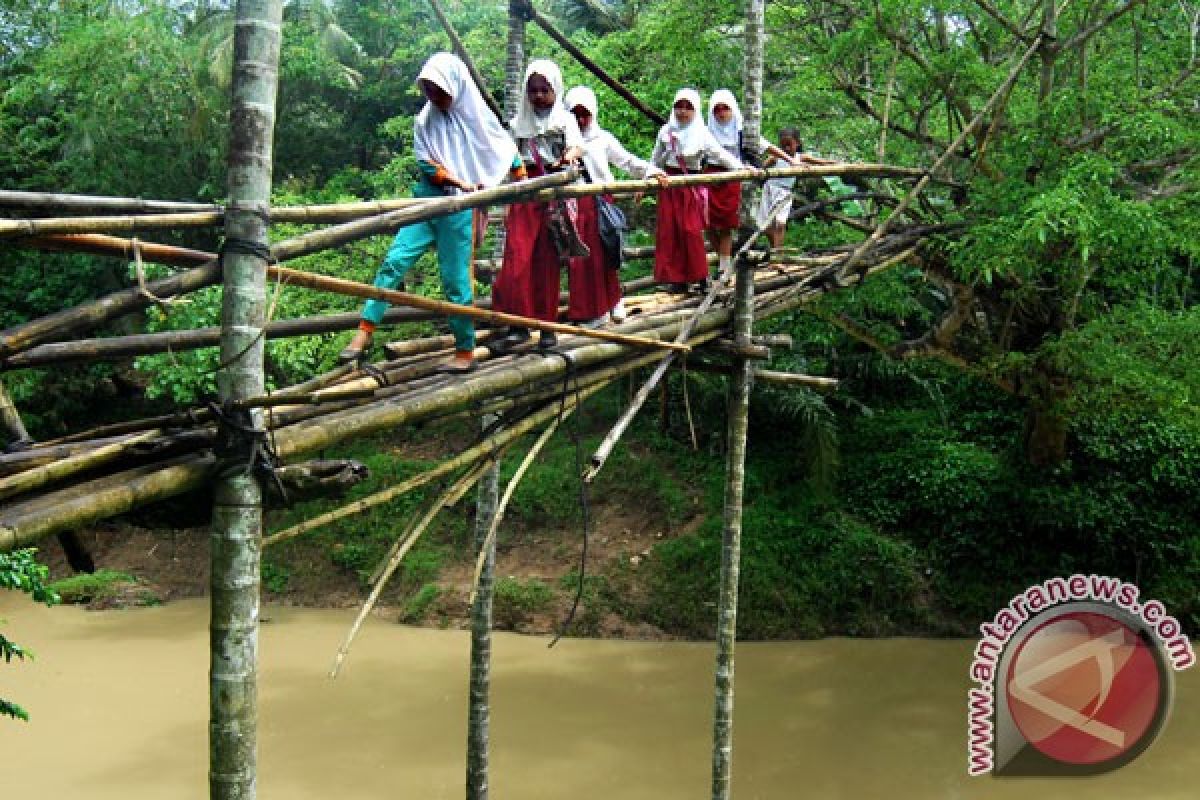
237, 496
735, 478
480, 679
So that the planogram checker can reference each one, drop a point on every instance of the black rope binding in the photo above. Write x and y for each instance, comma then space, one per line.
243, 449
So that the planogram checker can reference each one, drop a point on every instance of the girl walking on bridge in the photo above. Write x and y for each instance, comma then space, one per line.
539, 237
460, 147
594, 285
684, 146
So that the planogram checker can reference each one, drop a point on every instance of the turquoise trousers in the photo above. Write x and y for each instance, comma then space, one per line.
452, 236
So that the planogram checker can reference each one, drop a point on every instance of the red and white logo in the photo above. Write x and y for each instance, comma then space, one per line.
1084, 688
1075, 677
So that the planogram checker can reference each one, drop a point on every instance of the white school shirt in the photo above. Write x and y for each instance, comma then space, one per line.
705, 150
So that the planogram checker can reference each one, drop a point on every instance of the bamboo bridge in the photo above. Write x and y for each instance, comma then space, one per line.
62, 484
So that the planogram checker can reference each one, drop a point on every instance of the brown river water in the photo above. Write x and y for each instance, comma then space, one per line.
119, 709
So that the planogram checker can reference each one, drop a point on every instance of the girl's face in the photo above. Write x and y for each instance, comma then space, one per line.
788, 145
684, 112
540, 92
436, 95
583, 117
723, 113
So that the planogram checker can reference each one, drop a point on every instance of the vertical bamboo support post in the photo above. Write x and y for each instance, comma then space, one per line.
738, 422
478, 709
478, 700
237, 505
735, 479
752, 82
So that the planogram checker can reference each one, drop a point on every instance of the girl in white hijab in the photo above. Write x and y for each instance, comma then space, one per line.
594, 287
684, 145
725, 123
460, 147
548, 140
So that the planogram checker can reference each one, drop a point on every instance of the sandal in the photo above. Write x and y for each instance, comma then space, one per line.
351, 354
461, 363
506, 343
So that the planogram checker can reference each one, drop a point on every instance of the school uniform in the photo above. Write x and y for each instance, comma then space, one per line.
679, 255
466, 141
725, 200
529, 279
594, 288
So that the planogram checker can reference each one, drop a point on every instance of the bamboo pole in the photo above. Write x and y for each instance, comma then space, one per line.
735, 479
338, 235
488, 545
118, 347
49, 201
464, 482
236, 542
12, 425
64, 323
353, 289
542, 22
461, 50
91, 204
57, 470
47, 226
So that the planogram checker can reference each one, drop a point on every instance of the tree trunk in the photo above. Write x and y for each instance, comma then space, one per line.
237, 507
735, 478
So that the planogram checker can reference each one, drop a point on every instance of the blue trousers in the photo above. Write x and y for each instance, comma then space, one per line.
452, 236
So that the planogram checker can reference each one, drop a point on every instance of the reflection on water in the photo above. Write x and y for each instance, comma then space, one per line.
119, 703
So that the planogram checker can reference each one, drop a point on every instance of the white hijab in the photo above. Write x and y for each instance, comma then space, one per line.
595, 156
726, 134
528, 122
692, 136
467, 140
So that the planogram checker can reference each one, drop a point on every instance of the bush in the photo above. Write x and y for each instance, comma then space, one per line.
515, 601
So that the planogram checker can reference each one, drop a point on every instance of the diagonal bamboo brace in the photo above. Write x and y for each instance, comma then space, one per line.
355, 289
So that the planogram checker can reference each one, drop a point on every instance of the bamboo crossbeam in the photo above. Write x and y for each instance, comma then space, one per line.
390, 222
353, 289
311, 215
66, 203
51, 201
63, 468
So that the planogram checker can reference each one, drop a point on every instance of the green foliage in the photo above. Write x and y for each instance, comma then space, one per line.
418, 606
805, 572
275, 576
21, 573
515, 601
101, 586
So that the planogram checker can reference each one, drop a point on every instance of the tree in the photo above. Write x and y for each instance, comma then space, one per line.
20, 572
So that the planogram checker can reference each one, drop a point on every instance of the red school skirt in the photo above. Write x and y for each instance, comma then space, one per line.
594, 287
528, 282
679, 255
724, 200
